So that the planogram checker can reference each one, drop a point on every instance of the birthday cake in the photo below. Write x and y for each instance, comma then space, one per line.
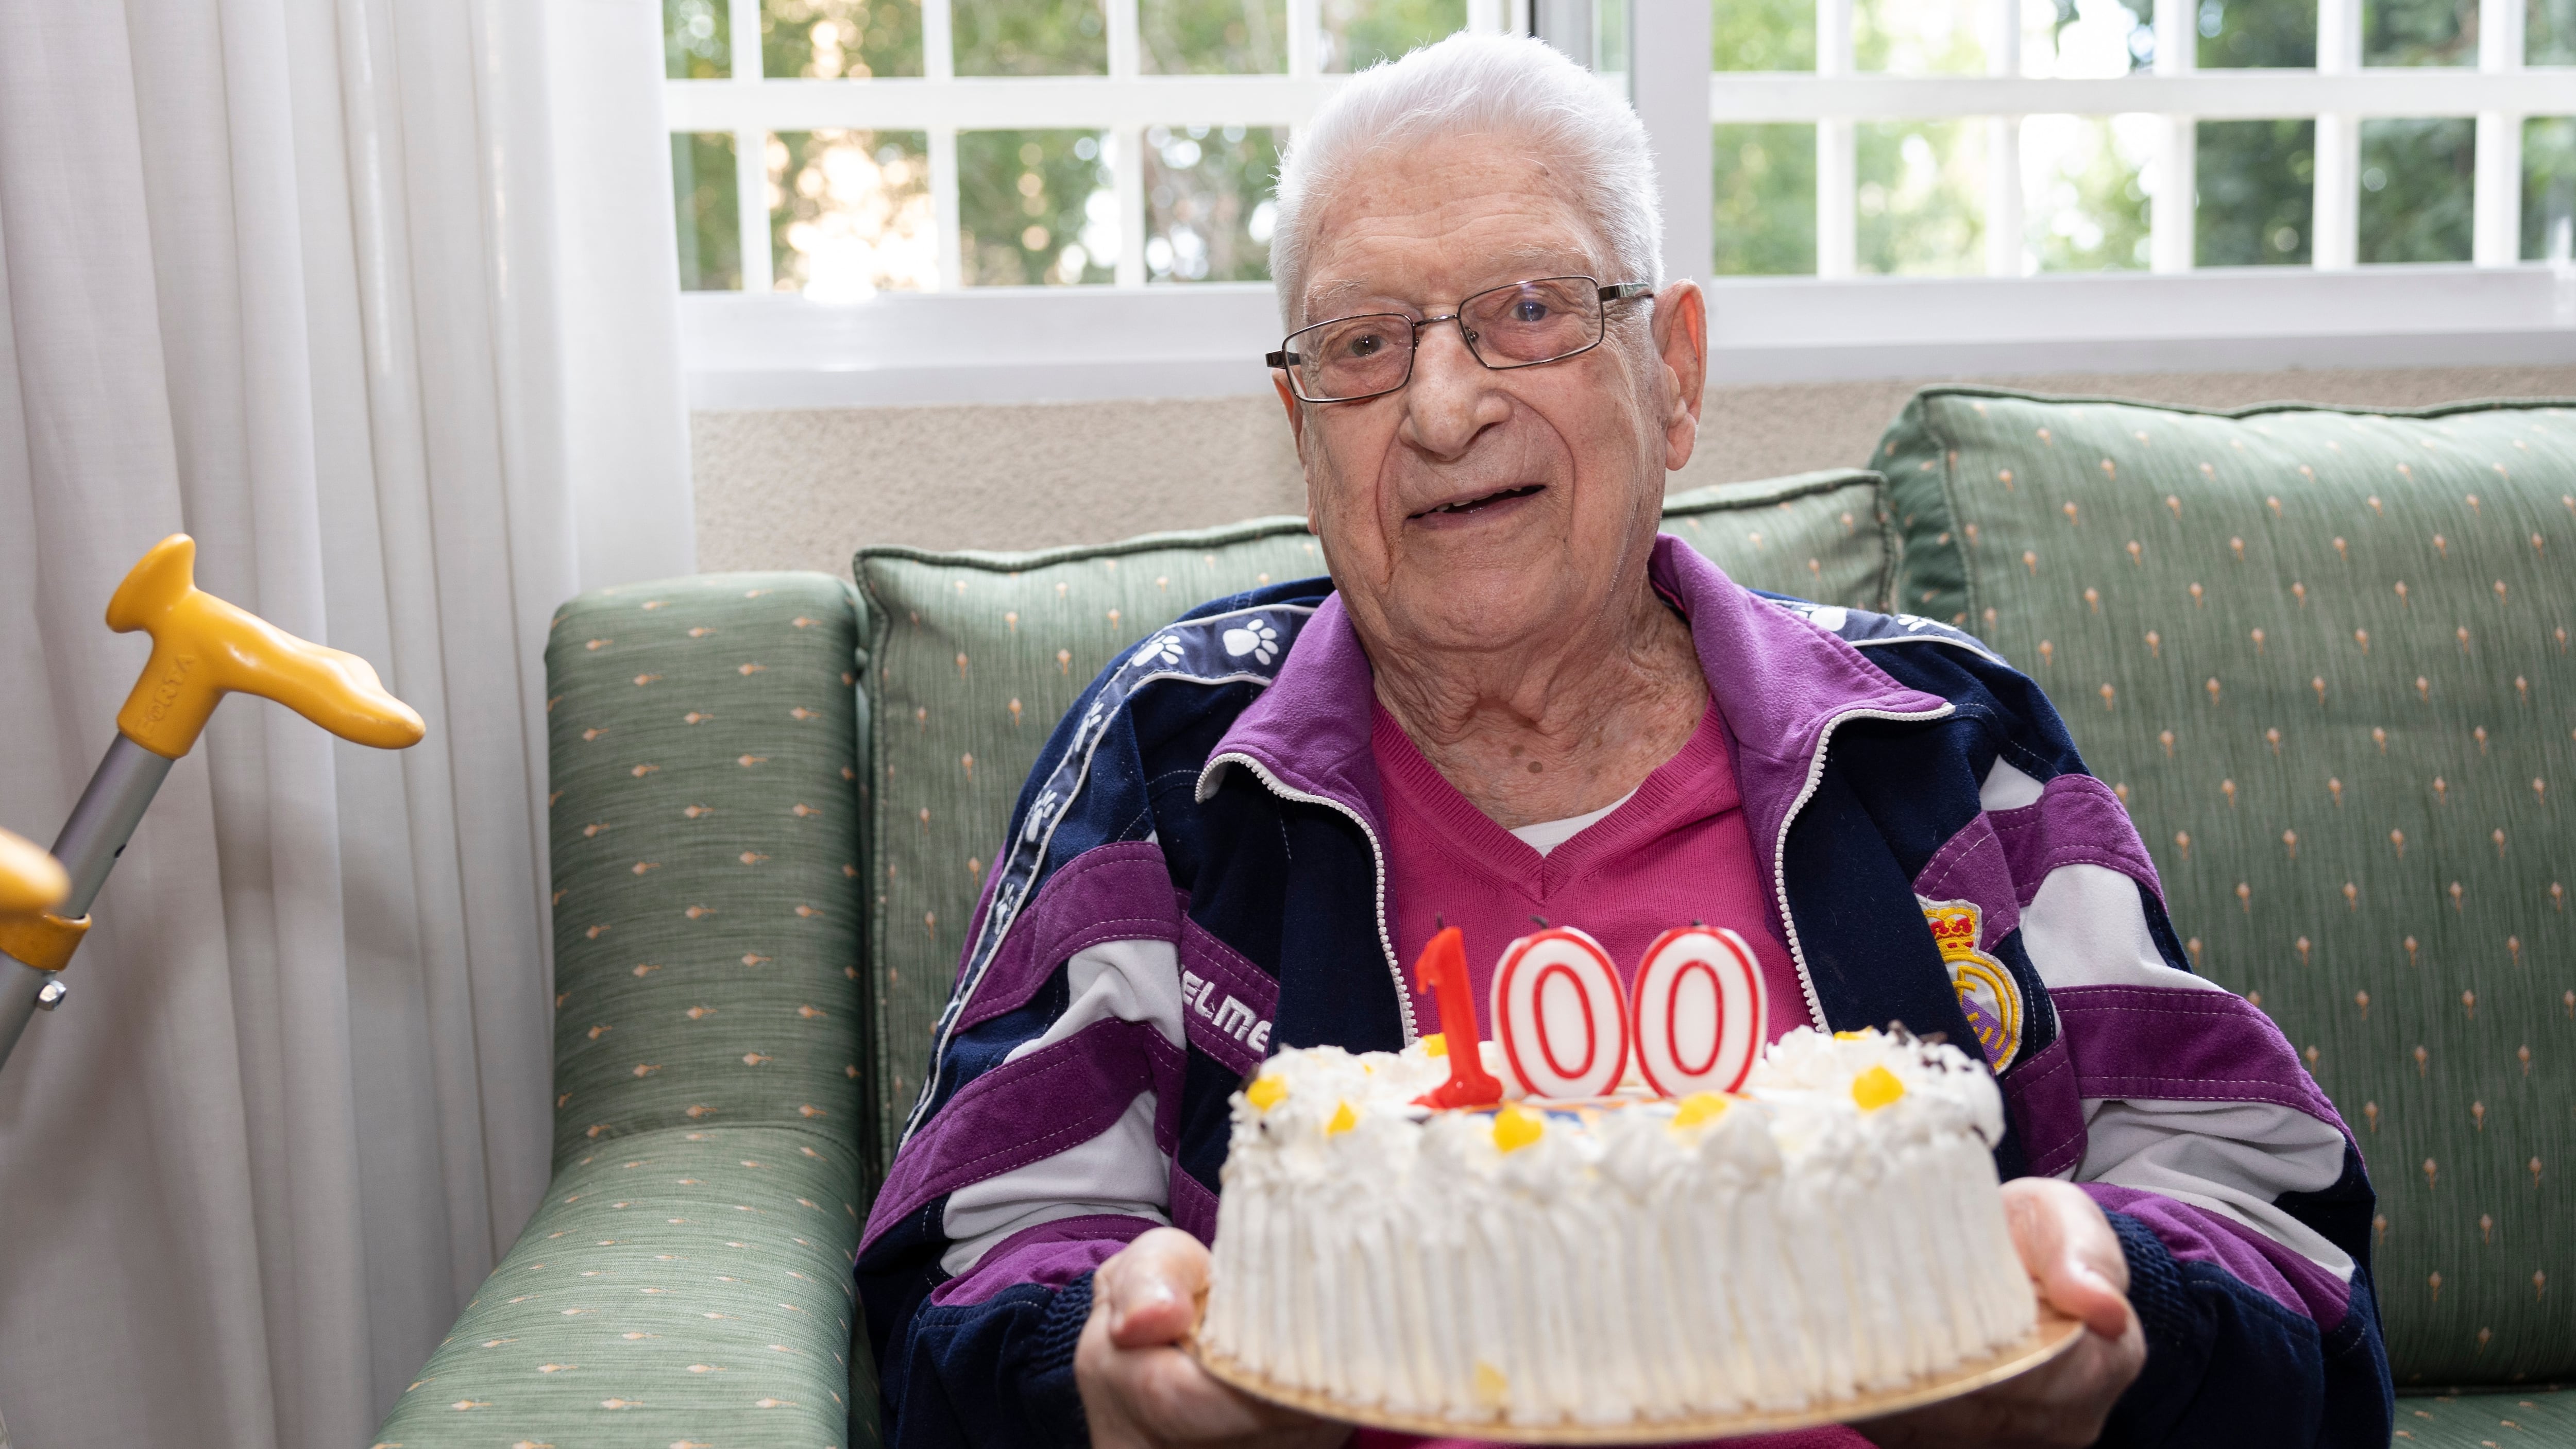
1831, 1230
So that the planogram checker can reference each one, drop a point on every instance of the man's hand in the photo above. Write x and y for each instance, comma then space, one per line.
2075, 1260
1139, 1390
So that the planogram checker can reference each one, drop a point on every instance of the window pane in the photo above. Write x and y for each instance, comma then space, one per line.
2275, 33
849, 213
2549, 188
1208, 207
1214, 37
710, 227
695, 40
832, 39
2100, 39
1611, 47
2257, 183
1762, 34
1360, 33
1765, 200
2419, 32
1035, 207
2549, 32
1922, 196
2415, 182
1917, 37
2084, 195
1030, 37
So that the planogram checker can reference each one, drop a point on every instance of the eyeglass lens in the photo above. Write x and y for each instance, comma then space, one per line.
1511, 326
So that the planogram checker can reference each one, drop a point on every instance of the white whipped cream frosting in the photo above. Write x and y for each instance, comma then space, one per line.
1788, 1251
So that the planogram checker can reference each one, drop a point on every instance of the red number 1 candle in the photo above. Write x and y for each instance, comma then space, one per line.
1442, 969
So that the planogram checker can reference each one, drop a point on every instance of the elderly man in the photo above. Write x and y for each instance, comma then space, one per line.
1513, 697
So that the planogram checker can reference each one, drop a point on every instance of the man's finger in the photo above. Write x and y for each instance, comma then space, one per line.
1151, 1288
2068, 1246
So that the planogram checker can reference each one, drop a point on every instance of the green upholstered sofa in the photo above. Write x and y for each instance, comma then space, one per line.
774, 796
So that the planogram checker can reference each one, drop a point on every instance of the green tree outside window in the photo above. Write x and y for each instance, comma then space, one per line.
2549, 188
1921, 207
696, 40
1209, 202
2549, 32
1762, 35
2257, 184
2416, 177
1030, 37
1360, 33
2268, 33
840, 39
2419, 32
849, 213
1036, 208
709, 214
2084, 201
1764, 199
1213, 37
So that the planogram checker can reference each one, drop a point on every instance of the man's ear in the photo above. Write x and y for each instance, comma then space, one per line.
1681, 344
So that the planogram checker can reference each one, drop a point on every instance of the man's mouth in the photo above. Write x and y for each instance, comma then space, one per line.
1487, 500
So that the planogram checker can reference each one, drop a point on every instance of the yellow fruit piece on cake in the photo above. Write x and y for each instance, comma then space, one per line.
1876, 1088
1266, 1092
1699, 1107
1516, 1127
1435, 1045
1344, 1119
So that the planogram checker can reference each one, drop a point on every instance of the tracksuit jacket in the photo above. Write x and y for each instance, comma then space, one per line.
1196, 877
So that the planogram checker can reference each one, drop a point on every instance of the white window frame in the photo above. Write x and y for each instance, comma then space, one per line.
758, 348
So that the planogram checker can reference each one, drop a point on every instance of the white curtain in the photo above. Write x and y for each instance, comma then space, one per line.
283, 274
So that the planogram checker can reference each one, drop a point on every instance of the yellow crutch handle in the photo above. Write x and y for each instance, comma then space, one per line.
30, 879
204, 648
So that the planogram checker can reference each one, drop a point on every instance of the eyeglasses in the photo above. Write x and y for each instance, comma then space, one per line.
1519, 324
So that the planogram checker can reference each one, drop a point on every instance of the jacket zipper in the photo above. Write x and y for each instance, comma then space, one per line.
1780, 850
1377, 856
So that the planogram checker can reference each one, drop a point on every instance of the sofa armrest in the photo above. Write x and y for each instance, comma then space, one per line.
678, 1286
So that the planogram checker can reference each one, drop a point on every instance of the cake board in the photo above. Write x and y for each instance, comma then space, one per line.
2054, 1335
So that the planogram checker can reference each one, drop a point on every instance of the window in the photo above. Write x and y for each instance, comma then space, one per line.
2014, 137
1063, 161
927, 145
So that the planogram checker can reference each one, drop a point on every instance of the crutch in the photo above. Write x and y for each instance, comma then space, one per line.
31, 882
202, 649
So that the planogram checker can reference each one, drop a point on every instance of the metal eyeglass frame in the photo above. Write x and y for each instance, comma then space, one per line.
1285, 359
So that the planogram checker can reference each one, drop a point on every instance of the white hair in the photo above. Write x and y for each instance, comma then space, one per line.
1478, 84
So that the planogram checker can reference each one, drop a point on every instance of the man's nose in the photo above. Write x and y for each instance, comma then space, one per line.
1452, 397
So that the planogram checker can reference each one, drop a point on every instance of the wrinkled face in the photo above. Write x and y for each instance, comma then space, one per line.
1476, 509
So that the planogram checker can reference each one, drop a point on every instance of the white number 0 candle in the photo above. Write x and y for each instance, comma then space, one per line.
1699, 1011
1560, 1015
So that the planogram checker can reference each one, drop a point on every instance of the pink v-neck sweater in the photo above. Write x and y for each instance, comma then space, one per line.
1676, 852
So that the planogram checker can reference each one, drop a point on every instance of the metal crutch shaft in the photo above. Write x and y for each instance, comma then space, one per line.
92, 838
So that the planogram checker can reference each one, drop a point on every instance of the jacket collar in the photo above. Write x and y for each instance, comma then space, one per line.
1309, 731
1778, 680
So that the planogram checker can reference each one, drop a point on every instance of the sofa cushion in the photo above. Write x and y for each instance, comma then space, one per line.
974, 655
2323, 657
705, 837
682, 1286
2532, 1414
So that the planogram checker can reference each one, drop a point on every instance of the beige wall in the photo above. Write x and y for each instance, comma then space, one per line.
803, 489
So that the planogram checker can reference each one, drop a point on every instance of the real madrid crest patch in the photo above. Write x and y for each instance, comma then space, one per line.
1988, 995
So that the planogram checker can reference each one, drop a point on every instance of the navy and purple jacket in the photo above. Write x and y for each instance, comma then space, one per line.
1196, 877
